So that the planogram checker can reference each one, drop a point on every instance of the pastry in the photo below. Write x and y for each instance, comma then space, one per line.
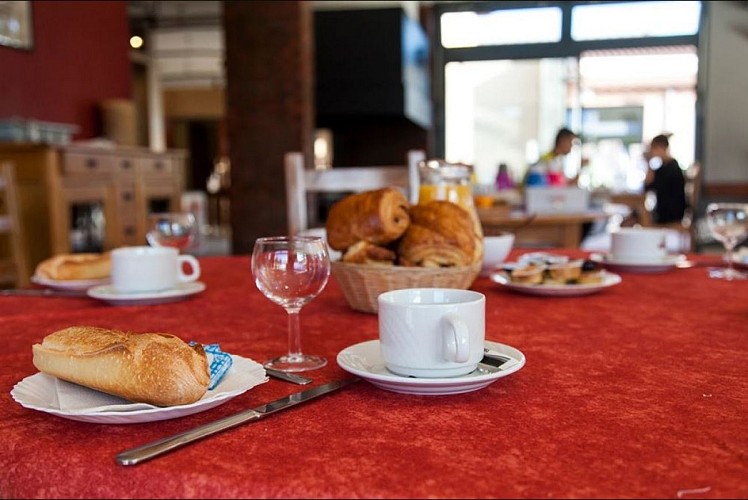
76, 266
591, 273
379, 217
441, 234
563, 273
155, 368
528, 275
364, 252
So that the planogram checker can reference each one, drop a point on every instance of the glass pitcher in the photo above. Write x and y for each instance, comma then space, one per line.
441, 180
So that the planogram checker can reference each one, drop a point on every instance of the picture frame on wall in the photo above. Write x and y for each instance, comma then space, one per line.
16, 28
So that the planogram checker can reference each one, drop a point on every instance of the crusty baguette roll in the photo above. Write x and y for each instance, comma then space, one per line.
441, 234
155, 368
76, 266
378, 217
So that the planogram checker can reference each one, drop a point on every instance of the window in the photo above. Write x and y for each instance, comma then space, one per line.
635, 20
501, 27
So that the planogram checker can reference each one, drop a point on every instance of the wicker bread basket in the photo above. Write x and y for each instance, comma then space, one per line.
362, 283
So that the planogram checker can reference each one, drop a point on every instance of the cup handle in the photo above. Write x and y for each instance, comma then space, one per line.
194, 268
456, 339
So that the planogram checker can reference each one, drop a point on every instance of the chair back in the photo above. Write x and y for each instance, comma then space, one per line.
300, 182
12, 254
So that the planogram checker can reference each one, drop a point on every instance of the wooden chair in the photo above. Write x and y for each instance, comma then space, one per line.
12, 255
301, 182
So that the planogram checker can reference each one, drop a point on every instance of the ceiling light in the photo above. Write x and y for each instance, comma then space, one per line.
136, 42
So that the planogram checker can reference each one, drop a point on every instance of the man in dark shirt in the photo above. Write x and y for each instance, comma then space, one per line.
667, 182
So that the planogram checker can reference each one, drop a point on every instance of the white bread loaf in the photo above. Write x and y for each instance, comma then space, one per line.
155, 368
76, 266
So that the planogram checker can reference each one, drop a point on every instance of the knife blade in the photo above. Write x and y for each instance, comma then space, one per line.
43, 292
155, 448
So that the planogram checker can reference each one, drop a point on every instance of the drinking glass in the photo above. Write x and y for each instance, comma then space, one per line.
728, 222
171, 229
291, 271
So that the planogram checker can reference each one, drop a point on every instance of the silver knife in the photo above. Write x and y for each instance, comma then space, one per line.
494, 361
288, 377
43, 292
150, 450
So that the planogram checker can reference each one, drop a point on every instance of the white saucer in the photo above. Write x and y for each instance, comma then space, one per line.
365, 360
49, 394
552, 290
657, 266
68, 284
108, 294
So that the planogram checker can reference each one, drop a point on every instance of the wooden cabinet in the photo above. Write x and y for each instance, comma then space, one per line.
80, 198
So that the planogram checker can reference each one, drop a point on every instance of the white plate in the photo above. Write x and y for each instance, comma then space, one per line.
68, 284
659, 266
49, 394
108, 294
550, 290
365, 360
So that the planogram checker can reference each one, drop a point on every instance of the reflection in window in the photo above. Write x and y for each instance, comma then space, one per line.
635, 20
501, 27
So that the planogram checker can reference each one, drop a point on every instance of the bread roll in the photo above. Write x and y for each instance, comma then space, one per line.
378, 217
76, 266
441, 234
155, 368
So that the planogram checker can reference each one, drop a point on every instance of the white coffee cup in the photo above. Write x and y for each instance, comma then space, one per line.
431, 332
631, 244
151, 269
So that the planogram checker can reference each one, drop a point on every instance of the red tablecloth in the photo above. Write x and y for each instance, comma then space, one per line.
638, 391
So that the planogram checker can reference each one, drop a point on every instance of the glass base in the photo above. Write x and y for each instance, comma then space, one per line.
297, 363
726, 273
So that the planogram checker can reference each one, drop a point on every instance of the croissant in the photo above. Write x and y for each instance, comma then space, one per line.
378, 217
441, 234
364, 252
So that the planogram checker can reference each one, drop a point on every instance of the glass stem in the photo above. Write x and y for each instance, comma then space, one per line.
294, 335
728, 254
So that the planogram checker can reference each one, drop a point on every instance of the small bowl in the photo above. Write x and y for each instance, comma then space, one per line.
495, 251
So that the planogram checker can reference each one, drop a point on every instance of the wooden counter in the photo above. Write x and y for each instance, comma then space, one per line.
555, 230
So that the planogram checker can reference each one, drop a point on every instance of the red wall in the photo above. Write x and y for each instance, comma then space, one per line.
80, 57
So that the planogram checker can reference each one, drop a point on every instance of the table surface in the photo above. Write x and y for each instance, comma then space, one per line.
637, 391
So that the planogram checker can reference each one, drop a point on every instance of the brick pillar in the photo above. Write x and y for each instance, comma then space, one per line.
269, 109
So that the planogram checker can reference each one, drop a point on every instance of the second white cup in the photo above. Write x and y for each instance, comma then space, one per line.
150, 269
638, 244
431, 332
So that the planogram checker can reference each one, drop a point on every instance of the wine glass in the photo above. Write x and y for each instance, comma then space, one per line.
171, 229
728, 222
291, 271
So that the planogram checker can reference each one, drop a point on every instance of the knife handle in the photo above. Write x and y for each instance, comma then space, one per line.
155, 448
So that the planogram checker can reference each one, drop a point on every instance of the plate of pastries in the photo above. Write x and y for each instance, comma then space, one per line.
76, 271
554, 276
386, 243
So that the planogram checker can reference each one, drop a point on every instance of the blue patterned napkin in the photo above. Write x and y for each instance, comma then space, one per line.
219, 363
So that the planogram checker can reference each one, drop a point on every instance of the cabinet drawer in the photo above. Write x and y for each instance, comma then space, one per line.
150, 167
87, 164
125, 166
